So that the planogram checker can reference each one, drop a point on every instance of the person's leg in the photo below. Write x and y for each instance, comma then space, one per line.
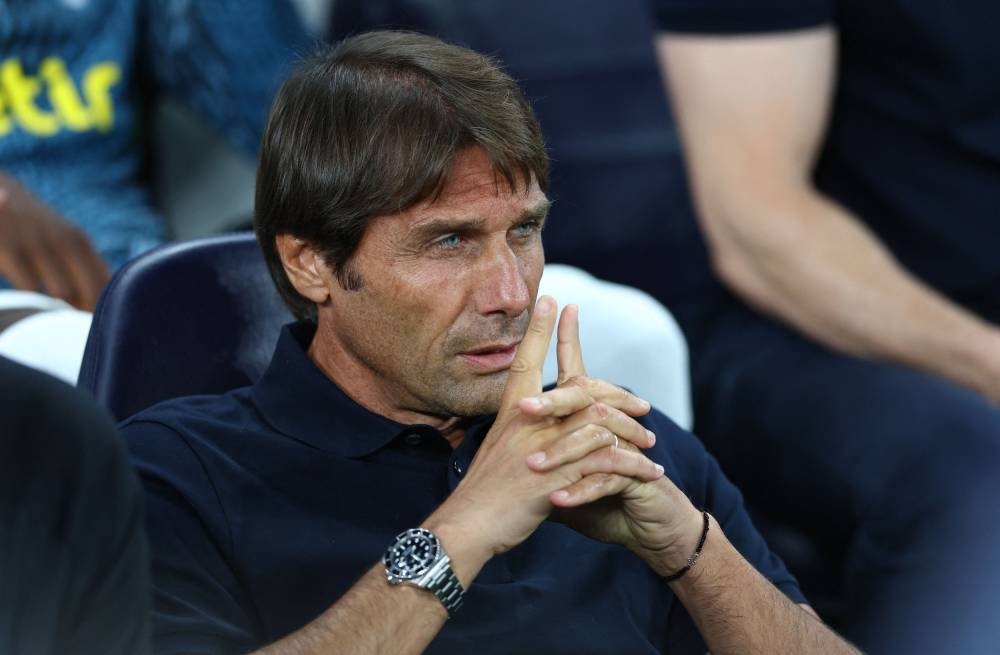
902, 466
72, 549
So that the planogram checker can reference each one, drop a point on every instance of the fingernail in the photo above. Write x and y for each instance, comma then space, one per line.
652, 437
536, 459
659, 469
561, 496
543, 306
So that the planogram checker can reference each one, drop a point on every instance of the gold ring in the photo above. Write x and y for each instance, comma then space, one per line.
616, 439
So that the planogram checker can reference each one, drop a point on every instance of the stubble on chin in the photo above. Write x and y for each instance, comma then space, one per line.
475, 397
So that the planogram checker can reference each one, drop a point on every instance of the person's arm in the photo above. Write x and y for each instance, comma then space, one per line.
376, 617
498, 504
752, 113
736, 609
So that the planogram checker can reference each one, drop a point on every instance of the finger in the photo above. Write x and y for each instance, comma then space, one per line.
556, 402
569, 353
16, 265
86, 268
573, 447
599, 390
589, 489
627, 463
627, 428
611, 394
56, 281
525, 376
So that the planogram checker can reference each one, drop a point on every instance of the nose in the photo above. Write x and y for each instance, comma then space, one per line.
503, 287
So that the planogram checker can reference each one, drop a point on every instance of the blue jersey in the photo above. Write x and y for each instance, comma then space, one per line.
77, 78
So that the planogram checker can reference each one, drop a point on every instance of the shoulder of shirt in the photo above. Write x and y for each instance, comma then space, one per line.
188, 412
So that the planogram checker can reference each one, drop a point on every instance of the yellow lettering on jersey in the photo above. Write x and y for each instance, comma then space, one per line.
21, 92
64, 96
6, 125
97, 83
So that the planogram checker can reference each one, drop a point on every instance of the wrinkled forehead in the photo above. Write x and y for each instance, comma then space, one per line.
474, 178
473, 197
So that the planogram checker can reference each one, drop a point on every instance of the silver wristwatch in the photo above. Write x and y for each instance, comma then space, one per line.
416, 557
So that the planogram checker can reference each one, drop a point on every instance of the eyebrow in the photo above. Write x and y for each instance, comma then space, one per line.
439, 226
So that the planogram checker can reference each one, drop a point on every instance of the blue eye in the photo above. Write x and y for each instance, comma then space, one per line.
526, 229
450, 241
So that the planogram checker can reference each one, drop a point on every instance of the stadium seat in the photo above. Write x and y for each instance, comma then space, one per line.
188, 318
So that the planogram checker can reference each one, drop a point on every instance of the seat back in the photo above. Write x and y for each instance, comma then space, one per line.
188, 318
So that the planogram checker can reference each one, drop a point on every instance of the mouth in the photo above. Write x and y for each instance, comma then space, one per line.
491, 359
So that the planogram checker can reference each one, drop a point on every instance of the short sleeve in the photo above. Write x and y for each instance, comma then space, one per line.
734, 17
698, 474
199, 605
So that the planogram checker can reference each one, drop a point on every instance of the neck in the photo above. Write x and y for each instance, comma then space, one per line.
358, 382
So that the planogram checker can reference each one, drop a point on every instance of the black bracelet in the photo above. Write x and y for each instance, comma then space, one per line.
694, 556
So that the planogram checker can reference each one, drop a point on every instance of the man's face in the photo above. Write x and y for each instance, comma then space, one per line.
447, 290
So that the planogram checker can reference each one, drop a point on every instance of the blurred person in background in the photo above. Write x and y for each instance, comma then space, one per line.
844, 157
78, 83
73, 556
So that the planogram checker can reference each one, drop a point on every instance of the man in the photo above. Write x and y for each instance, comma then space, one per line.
73, 554
401, 196
845, 160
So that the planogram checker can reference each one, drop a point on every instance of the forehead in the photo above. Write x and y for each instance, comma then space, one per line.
473, 189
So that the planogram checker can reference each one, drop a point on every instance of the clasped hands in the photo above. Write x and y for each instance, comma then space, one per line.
573, 454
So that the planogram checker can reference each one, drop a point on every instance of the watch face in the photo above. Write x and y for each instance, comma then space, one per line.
412, 554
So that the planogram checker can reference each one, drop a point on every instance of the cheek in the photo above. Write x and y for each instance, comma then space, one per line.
420, 314
532, 266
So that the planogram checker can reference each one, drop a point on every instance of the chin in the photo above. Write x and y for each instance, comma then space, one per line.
478, 398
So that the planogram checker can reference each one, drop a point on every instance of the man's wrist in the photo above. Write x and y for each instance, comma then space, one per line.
671, 559
467, 551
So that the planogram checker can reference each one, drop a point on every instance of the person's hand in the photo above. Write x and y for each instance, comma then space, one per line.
500, 502
41, 251
653, 518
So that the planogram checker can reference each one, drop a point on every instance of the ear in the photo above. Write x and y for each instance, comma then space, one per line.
304, 267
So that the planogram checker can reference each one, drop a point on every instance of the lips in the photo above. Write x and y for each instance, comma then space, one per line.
490, 359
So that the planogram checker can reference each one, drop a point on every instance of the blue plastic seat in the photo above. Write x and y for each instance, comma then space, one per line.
188, 318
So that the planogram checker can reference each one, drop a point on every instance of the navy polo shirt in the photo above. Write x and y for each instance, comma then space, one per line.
265, 504
913, 145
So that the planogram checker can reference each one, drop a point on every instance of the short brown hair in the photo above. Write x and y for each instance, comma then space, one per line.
371, 127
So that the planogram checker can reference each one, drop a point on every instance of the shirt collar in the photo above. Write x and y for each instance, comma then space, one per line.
300, 401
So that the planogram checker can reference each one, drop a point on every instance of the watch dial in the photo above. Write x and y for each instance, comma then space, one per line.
412, 554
